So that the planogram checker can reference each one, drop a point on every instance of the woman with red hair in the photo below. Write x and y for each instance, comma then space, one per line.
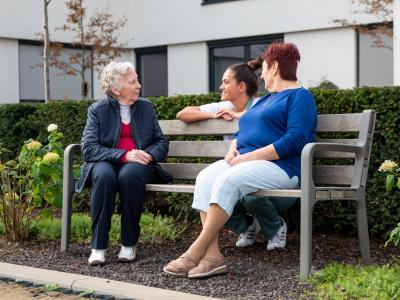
265, 154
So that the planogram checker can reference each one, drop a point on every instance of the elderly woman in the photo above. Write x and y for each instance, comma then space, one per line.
121, 145
265, 155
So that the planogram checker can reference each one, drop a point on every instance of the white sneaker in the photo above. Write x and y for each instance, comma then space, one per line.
247, 238
97, 257
279, 240
127, 254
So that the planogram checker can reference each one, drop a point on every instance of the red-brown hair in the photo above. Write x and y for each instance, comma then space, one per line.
286, 55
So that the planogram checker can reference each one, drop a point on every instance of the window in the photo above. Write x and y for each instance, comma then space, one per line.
227, 52
375, 64
152, 69
31, 78
204, 2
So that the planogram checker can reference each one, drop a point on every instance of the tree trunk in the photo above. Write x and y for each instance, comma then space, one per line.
396, 42
46, 52
84, 90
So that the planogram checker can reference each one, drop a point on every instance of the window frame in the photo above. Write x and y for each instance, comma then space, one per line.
246, 42
145, 51
208, 2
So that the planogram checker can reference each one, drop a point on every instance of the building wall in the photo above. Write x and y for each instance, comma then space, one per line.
326, 55
188, 69
160, 22
9, 75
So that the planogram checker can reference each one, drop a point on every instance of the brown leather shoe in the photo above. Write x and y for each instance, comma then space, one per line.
208, 266
180, 267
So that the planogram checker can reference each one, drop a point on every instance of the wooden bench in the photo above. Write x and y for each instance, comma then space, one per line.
318, 182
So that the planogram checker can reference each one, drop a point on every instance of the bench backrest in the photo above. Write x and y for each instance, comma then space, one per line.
362, 124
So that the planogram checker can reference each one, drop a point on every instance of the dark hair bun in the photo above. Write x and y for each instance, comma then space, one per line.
255, 64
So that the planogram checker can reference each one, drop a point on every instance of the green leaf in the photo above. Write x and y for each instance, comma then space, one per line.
398, 183
389, 182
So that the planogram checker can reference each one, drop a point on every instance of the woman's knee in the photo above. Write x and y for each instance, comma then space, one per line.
104, 173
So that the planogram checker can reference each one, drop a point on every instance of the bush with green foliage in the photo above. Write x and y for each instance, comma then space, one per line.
20, 121
340, 282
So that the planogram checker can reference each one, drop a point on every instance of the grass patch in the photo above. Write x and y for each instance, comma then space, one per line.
153, 228
339, 281
2, 228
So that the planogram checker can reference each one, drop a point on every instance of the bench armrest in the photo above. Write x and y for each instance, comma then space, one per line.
307, 156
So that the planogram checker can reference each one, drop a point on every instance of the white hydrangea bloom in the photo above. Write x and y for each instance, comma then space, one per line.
52, 127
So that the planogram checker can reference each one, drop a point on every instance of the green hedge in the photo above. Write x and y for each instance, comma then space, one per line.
19, 122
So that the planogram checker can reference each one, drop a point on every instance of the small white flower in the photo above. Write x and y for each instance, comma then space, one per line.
387, 165
52, 127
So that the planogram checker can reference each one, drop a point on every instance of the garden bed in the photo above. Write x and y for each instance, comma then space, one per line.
254, 272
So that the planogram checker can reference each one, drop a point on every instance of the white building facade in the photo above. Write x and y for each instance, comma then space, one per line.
183, 46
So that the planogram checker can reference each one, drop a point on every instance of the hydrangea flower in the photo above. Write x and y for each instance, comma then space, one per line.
387, 166
50, 158
52, 127
34, 145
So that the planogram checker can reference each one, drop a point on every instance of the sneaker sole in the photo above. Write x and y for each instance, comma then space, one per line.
244, 246
126, 260
215, 271
96, 263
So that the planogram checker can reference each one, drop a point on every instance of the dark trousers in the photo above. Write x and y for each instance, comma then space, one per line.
130, 181
266, 210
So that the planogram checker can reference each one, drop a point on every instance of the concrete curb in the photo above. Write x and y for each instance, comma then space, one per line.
100, 286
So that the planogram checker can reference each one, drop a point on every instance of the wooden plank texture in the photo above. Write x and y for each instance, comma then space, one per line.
339, 123
341, 175
198, 148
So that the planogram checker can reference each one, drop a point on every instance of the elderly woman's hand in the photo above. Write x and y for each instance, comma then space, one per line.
138, 156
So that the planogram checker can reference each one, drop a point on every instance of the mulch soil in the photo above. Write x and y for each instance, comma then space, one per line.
254, 272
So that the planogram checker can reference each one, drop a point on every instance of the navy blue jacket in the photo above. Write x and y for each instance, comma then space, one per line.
102, 131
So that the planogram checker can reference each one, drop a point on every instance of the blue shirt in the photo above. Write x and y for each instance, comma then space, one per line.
287, 119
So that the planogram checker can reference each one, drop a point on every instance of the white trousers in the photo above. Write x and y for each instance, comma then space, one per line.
224, 184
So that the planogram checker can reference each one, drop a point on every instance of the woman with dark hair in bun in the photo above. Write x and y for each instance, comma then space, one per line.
238, 87
265, 154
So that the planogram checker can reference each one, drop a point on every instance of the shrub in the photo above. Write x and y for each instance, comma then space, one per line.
18, 122
338, 281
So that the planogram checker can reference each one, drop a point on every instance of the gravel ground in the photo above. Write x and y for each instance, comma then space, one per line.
254, 272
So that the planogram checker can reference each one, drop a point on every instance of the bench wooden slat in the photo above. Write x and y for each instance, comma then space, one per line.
337, 174
198, 148
189, 188
183, 170
207, 127
219, 148
335, 154
326, 123
339, 123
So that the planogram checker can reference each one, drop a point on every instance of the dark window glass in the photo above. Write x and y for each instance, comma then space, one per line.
152, 69
228, 52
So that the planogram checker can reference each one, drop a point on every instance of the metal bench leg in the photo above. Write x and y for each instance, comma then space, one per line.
362, 227
306, 237
66, 214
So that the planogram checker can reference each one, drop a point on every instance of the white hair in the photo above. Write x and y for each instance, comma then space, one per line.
112, 73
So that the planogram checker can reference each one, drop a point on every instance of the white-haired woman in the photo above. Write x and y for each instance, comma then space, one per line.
121, 145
